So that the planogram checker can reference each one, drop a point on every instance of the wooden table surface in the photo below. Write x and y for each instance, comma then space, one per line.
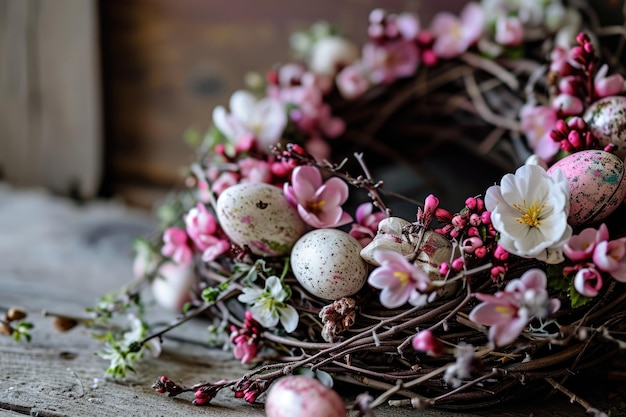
61, 257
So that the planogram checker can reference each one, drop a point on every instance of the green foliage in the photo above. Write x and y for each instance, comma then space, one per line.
21, 332
577, 299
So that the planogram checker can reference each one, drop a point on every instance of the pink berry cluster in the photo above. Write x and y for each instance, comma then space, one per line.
478, 239
579, 81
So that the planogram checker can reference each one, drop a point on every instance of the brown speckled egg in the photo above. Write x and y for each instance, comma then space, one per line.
260, 217
607, 122
597, 184
328, 264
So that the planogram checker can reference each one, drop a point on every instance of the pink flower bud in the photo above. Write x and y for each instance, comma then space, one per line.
567, 105
458, 264
500, 253
609, 86
444, 268
481, 252
480, 204
471, 203
471, 244
473, 231
497, 272
475, 220
588, 281
485, 216
569, 85
576, 122
429, 58
574, 139
425, 341
443, 215
459, 221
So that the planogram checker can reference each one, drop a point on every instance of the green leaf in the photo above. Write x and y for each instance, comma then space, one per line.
577, 299
556, 279
210, 295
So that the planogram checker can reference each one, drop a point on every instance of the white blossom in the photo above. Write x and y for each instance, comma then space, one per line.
529, 209
268, 305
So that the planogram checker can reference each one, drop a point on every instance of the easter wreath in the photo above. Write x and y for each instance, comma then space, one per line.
513, 292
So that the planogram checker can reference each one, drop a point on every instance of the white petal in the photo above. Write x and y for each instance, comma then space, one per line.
265, 317
249, 295
289, 318
275, 288
242, 105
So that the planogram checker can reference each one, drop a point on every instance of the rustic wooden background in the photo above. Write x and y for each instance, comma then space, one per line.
95, 95
167, 64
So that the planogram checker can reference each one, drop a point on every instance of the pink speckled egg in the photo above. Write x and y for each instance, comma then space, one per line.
301, 396
607, 122
597, 184
259, 216
328, 264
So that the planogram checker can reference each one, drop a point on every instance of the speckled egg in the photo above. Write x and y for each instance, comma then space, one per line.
301, 396
260, 217
327, 263
607, 122
597, 184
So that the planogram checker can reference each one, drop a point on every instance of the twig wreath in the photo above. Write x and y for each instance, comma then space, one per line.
512, 292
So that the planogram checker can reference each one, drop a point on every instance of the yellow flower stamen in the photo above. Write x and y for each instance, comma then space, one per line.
505, 311
316, 206
529, 215
403, 276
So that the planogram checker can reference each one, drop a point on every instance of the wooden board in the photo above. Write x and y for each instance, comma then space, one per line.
60, 257
50, 110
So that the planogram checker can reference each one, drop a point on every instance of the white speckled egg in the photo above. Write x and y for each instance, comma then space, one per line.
328, 264
301, 396
597, 184
260, 217
607, 122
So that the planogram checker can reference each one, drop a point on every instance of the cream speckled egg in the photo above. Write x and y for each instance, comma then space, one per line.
607, 122
597, 184
328, 264
301, 396
260, 217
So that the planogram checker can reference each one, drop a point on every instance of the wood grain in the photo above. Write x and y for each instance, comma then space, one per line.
50, 118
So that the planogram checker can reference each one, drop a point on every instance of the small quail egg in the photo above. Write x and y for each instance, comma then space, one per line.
328, 264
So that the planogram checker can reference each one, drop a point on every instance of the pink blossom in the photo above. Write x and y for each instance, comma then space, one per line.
399, 280
318, 203
580, 247
537, 123
454, 35
588, 281
425, 341
352, 81
509, 31
390, 61
567, 105
203, 229
176, 245
608, 86
610, 256
366, 224
255, 170
246, 339
223, 181
509, 311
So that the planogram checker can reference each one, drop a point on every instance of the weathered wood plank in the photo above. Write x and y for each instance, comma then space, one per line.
50, 118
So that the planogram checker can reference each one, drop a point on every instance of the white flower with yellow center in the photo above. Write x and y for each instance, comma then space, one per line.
529, 209
268, 305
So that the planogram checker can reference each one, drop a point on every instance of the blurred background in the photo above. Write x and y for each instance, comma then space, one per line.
95, 96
